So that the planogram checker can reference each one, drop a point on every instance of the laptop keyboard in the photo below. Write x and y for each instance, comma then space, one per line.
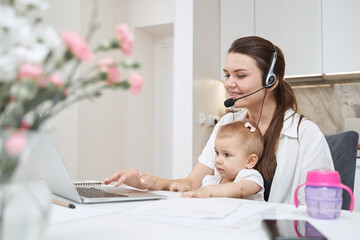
97, 193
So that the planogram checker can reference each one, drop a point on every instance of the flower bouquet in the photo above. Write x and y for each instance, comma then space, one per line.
40, 76
39, 72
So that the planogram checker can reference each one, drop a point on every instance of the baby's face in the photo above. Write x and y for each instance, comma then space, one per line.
230, 157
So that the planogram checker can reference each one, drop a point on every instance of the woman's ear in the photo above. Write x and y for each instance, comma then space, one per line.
252, 160
273, 87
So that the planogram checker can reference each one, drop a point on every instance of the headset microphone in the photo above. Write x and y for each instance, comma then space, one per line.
230, 102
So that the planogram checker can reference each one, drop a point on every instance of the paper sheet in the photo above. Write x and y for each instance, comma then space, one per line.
60, 214
246, 215
189, 207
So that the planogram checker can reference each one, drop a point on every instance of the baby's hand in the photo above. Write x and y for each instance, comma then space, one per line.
179, 187
198, 193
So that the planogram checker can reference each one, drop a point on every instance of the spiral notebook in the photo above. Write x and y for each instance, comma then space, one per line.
88, 183
55, 175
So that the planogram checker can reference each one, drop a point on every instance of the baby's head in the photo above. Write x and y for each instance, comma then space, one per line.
238, 145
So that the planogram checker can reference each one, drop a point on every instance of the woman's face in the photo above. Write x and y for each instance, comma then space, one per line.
242, 77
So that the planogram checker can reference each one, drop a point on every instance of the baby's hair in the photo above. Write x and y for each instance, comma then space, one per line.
252, 141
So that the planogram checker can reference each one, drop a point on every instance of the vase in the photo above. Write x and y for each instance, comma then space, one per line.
24, 200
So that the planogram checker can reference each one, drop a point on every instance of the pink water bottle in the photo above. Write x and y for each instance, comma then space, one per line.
323, 194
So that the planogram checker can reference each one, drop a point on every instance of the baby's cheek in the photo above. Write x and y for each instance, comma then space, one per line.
231, 174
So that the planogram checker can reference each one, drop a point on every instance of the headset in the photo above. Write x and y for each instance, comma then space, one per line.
270, 78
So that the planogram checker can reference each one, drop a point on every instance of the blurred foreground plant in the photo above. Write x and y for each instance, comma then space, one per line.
39, 72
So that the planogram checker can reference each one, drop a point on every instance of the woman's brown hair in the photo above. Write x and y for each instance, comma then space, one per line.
262, 50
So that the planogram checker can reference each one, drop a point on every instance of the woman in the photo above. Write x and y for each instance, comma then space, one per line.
293, 145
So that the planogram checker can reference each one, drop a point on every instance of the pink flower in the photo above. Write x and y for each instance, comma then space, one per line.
66, 92
28, 70
106, 61
16, 143
125, 37
42, 82
24, 125
108, 65
58, 82
136, 81
77, 46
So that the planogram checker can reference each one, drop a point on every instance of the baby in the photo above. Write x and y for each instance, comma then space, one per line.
238, 147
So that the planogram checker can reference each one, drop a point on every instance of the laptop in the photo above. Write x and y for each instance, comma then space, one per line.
54, 173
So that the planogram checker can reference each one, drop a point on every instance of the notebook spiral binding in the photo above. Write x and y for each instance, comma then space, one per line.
88, 183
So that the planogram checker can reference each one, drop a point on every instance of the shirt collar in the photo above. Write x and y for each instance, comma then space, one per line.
290, 126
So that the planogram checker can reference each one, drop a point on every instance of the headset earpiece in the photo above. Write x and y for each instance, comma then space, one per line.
269, 79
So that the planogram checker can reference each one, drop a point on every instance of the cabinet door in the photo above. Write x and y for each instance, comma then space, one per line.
341, 35
295, 26
236, 20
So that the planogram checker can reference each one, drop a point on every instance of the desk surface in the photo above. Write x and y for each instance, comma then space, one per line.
113, 221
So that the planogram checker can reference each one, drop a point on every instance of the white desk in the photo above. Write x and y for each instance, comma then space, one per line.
111, 221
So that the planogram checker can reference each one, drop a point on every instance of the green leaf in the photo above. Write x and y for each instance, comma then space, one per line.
4, 94
130, 63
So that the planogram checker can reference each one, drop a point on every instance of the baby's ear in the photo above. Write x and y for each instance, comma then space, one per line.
252, 160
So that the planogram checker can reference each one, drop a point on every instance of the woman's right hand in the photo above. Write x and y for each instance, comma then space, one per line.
132, 177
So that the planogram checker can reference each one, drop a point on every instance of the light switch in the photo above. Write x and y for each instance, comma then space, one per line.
202, 119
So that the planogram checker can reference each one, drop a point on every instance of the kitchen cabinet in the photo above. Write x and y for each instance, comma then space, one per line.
341, 35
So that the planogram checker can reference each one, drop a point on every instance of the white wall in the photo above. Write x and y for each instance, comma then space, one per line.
150, 20
87, 133
209, 93
163, 85
64, 127
115, 131
140, 13
182, 89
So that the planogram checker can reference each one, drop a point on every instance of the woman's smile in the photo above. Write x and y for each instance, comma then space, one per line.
234, 95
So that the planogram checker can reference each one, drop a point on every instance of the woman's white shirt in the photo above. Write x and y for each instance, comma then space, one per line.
299, 151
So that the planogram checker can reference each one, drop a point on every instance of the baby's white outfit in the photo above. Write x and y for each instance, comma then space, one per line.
244, 174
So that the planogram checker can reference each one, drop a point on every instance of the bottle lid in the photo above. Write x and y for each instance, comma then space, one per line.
323, 178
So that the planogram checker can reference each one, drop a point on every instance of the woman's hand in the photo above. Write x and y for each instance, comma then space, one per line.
179, 187
131, 177
134, 178
203, 192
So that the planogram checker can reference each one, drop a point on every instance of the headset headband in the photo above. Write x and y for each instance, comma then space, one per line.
270, 78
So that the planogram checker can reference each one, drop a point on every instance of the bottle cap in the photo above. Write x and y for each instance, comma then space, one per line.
323, 178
